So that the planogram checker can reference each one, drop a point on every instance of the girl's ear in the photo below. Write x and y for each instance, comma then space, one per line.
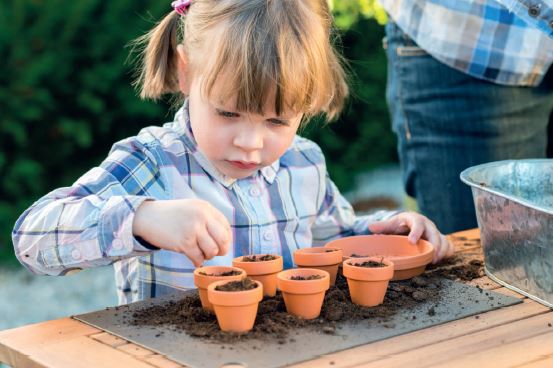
182, 70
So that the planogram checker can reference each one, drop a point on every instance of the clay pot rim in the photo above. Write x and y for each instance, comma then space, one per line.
368, 273
259, 268
316, 256
284, 284
424, 249
203, 281
234, 298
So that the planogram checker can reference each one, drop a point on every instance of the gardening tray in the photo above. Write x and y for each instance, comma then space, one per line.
514, 208
455, 301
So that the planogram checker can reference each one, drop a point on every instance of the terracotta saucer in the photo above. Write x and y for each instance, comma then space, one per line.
409, 259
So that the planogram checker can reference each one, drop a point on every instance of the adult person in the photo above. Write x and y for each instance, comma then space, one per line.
469, 81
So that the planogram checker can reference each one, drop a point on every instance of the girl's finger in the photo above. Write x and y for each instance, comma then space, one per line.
437, 253
221, 236
450, 249
380, 226
432, 234
207, 245
444, 250
195, 255
393, 225
416, 224
224, 237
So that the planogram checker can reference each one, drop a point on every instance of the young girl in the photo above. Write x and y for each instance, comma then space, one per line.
228, 176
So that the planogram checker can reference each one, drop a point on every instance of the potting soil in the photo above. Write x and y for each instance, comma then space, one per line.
178, 327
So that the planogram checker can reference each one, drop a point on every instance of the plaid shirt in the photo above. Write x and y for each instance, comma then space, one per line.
288, 205
482, 37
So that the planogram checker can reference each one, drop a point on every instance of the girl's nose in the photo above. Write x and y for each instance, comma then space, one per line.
249, 139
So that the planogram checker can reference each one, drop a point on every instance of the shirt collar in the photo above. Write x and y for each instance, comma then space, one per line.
182, 118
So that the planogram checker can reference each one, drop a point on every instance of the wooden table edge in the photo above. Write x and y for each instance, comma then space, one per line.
142, 356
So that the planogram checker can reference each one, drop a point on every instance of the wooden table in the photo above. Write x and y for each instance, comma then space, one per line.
516, 336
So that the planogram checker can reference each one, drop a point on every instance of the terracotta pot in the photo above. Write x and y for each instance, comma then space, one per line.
409, 259
320, 258
368, 285
263, 271
303, 298
203, 281
235, 310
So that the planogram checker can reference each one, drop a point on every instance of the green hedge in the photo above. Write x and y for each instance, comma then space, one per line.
65, 97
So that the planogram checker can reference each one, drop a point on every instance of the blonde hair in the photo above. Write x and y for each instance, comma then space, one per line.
264, 48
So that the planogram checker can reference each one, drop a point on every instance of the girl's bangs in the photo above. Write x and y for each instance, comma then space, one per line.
250, 84
248, 71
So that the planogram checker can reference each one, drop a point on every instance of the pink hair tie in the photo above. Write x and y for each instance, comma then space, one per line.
181, 6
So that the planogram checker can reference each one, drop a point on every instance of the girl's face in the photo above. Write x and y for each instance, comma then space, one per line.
238, 143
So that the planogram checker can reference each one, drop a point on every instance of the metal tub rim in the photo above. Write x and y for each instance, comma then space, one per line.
466, 178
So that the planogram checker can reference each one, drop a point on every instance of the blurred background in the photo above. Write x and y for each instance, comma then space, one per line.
66, 97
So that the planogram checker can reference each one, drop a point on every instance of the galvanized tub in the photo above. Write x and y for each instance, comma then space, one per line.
514, 208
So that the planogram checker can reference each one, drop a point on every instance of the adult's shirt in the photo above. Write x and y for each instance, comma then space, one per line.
507, 43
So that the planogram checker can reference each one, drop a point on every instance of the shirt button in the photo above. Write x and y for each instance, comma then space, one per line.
254, 191
76, 254
268, 236
534, 11
117, 244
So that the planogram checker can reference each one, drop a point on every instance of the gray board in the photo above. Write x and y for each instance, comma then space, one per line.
455, 301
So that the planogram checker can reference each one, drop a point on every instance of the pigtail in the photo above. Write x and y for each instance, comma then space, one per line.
157, 70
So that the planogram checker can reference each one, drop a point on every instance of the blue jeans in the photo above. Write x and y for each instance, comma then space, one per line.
446, 121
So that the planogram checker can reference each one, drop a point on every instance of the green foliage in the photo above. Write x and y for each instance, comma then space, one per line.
348, 12
362, 138
66, 95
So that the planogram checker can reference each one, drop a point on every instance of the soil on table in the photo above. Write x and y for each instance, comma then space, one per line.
464, 266
255, 258
273, 323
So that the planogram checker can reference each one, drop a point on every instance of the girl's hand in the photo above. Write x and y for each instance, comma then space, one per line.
192, 227
417, 226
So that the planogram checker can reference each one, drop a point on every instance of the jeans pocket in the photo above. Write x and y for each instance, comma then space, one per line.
410, 51
400, 43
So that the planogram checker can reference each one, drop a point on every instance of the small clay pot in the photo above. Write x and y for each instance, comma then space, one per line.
323, 258
368, 285
235, 310
263, 271
409, 259
303, 298
203, 281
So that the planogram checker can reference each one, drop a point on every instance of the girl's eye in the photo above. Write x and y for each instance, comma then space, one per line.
279, 122
227, 114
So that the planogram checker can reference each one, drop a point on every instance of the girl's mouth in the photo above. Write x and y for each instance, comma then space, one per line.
244, 165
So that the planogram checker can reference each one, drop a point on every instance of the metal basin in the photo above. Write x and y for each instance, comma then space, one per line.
514, 208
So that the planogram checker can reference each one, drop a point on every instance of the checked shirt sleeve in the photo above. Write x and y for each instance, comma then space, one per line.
90, 223
337, 219
538, 13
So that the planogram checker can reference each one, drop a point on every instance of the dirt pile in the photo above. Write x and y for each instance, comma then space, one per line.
273, 323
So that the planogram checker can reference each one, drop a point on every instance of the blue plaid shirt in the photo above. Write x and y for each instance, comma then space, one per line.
508, 44
288, 205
